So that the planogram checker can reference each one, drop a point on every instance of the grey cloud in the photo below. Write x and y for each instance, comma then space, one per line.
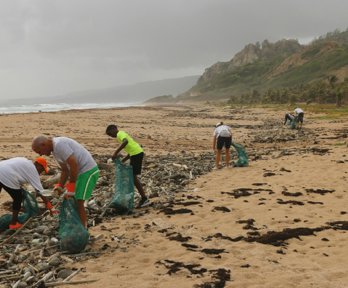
83, 44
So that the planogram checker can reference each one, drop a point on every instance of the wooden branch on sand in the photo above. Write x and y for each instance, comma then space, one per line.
60, 283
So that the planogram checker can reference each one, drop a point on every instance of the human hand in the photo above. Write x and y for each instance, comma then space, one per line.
70, 190
57, 190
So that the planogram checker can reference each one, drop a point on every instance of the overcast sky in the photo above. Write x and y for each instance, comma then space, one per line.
51, 47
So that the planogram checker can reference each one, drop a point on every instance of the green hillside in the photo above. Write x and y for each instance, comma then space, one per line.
284, 66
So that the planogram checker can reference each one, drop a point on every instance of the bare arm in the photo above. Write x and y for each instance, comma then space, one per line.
126, 158
73, 171
64, 174
214, 143
118, 150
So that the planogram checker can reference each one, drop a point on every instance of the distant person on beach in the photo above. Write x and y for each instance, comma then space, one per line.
222, 138
299, 114
79, 170
135, 153
16, 172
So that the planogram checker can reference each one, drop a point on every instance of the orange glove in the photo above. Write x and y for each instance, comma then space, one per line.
50, 207
70, 189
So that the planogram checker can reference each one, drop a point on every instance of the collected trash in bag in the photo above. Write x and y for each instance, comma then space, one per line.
242, 156
292, 123
123, 199
30, 209
73, 235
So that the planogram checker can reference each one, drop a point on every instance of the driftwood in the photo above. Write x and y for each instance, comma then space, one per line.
71, 275
52, 284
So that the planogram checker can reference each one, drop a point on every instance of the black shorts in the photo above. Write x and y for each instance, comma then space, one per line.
16, 195
223, 142
136, 161
300, 117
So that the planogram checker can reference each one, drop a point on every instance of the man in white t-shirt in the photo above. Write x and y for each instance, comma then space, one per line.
16, 172
222, 138
299, 114
79, 170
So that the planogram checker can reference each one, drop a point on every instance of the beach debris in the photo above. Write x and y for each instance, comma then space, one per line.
219, 276
35, 253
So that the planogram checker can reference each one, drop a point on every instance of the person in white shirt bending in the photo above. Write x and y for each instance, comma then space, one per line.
299, 114
16, 172
222, 138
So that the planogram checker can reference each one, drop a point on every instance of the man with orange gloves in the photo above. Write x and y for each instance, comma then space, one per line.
16, 172
79, 170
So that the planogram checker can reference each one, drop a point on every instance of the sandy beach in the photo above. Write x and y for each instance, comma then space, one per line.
281, 222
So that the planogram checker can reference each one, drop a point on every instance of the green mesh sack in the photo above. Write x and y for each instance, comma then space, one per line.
30, 209
5, 221
293, 123
123, 199
242, 156
72, 234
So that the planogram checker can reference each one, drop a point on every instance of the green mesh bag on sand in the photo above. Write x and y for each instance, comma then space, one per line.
5, 221
293, 123
30, 209
123, 199
242, 156
72, 234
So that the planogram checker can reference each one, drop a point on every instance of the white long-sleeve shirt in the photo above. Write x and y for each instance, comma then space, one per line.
16, 172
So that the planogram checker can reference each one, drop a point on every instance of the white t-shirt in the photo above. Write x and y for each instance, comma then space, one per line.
64, 147
16, 172
298, 111
222, 131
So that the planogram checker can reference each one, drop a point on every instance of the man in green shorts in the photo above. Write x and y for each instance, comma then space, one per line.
79, 170
136, 155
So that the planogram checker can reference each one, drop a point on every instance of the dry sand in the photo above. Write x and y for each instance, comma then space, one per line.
213, 243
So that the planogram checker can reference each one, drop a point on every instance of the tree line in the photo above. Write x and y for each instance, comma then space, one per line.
329, 90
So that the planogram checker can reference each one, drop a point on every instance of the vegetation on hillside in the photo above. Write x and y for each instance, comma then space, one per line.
281, 72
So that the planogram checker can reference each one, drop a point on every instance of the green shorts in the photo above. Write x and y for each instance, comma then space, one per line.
85, 183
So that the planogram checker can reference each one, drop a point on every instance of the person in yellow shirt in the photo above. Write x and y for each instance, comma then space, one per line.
135, 153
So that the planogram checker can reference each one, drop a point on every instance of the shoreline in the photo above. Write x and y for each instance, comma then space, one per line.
59, 107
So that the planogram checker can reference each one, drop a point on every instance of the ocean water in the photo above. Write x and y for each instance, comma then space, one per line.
59, 107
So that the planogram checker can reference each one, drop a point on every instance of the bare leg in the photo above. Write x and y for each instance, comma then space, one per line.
227, 158
218, 158
82, 212
139, 186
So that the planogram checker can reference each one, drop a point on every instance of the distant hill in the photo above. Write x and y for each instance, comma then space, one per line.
135, 93
280, 65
